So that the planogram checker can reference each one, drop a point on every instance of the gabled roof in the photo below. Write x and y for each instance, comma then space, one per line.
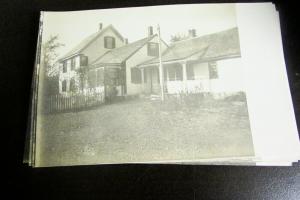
212, 46
87, 41
121, 54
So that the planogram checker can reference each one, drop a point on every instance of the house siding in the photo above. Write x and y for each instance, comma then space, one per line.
69, 74
230, 77
96, 48
139, 57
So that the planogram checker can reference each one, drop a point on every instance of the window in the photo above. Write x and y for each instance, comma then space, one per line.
64, 86
190, 72
109, 42
72, 85
83, 60
213, 70
72, 63
100, 77
152, 49
64, 67
175, 73
136, 75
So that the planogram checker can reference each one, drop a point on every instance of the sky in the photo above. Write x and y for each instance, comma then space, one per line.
132, 23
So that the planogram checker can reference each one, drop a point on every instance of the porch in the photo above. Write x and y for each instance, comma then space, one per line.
180, 77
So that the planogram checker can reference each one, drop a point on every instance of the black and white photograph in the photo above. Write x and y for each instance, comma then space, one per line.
136, 85
150, 99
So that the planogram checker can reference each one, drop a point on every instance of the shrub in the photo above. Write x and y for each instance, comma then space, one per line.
239, 96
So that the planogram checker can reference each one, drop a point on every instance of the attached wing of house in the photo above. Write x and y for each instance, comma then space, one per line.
208, 63
121, 63
214, 46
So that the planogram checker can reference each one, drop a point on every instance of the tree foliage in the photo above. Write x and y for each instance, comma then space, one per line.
178, 37
50, 66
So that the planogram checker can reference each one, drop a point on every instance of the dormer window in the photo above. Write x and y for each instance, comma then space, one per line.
152, 49
109, 42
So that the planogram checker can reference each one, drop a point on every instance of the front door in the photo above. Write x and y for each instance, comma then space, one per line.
152, 80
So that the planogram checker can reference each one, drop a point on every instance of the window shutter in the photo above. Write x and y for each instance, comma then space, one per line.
145, 75
73, 64
190, 72
132, 75
65, 67
105, 42
113, 43
139, 76
179, 75
213, 70
72, 85
64, 86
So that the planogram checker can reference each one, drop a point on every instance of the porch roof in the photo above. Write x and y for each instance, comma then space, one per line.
119, 55
213, 46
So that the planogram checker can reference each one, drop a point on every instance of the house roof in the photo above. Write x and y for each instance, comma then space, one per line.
212, 46
87, 41
119, 55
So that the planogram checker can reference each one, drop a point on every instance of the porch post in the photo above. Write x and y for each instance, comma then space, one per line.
161, 71
184, 76
142, 80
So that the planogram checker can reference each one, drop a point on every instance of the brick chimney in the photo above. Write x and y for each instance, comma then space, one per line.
150, 31
192, 33
100, 26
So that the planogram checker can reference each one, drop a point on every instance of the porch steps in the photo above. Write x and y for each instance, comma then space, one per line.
154, 97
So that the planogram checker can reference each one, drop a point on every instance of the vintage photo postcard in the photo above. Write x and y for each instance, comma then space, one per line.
137, 85
141, 85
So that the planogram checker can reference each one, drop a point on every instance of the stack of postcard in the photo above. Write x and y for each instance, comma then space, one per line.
180, 84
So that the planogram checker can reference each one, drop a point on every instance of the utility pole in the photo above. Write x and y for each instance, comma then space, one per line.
161, 71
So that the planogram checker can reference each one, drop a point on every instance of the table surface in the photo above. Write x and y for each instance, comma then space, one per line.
18, 35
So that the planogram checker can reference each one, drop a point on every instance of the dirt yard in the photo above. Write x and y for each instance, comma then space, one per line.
143, 130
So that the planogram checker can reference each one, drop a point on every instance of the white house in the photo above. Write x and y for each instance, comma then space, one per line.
117, 69
210, 63
84, 53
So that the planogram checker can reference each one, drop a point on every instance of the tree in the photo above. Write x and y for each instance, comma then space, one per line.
178, 37
50, 68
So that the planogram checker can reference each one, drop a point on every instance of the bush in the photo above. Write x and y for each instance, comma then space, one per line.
188, 101
239, 96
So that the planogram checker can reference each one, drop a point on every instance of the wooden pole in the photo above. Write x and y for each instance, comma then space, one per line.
161, 76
